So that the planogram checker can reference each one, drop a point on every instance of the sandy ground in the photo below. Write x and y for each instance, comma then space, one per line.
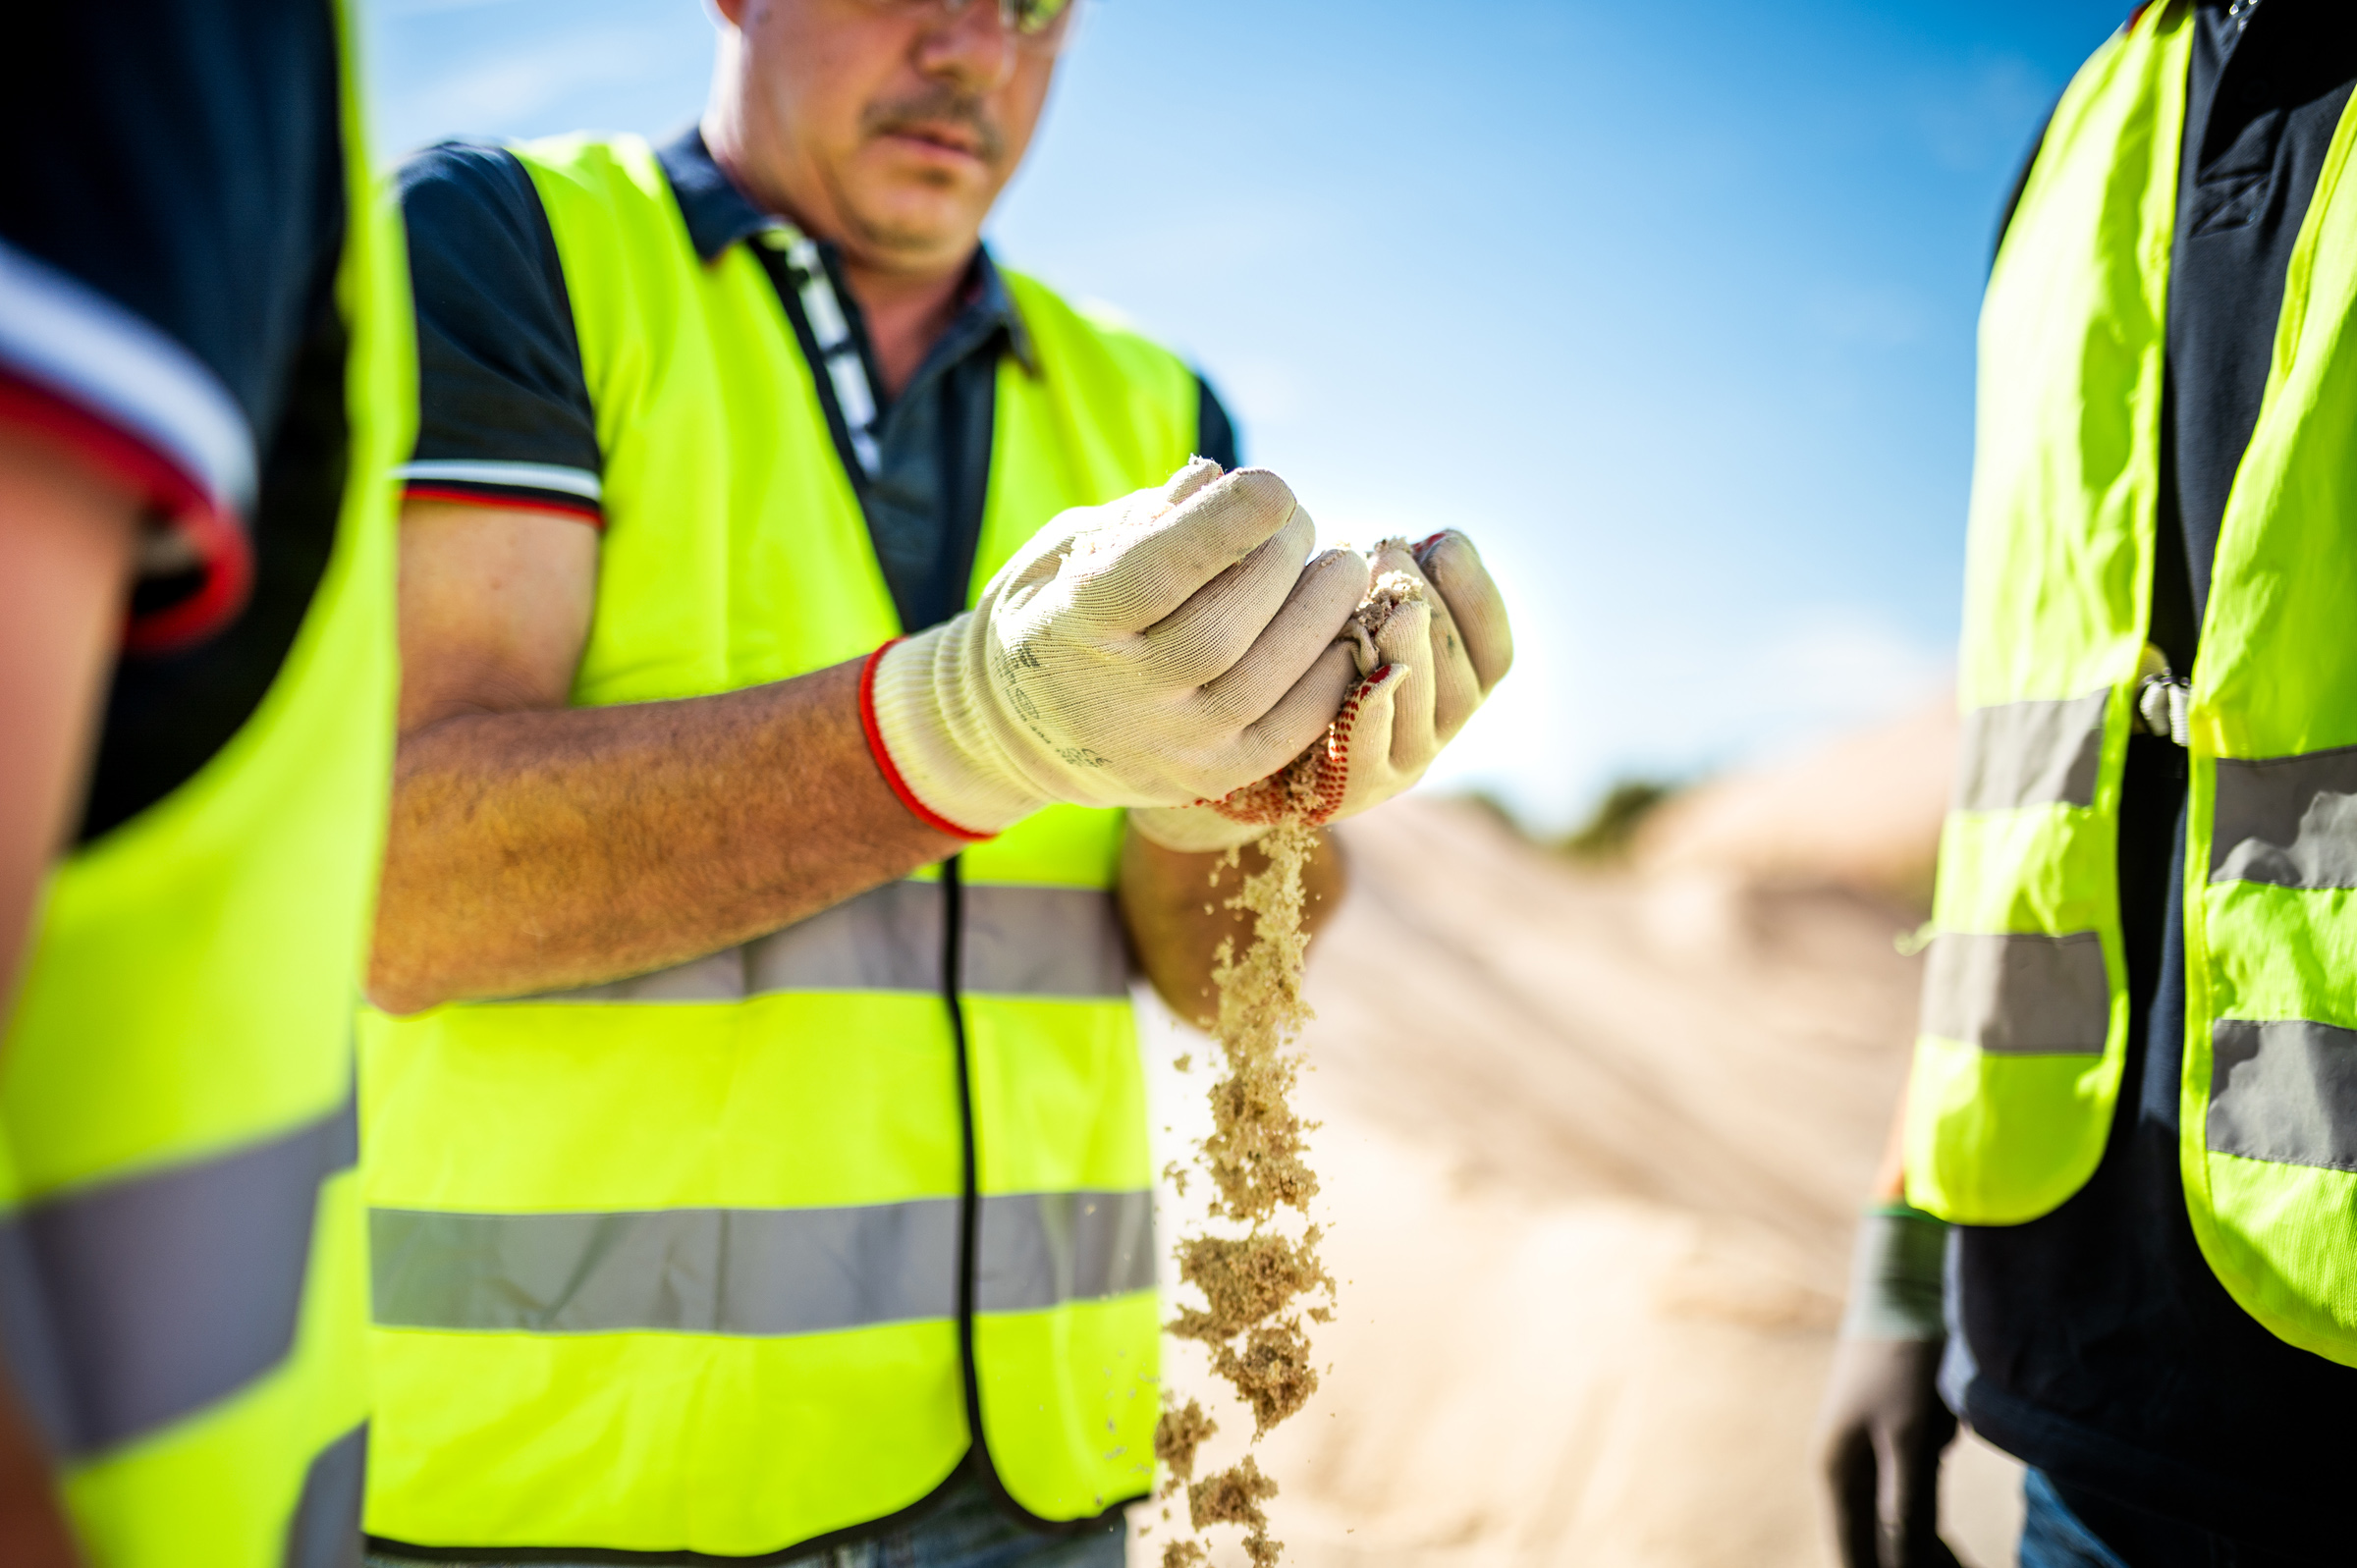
1592, 1144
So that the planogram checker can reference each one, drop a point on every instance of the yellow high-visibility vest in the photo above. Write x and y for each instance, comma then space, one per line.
2025, 1015
183, 1269
735, 1255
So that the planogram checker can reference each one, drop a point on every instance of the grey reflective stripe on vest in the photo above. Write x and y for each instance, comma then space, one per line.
2285, 1092
127, 1306
697, 1270
1019, 942
326, 1529
1042, 941
2018, 994
752, 1272
1041, 1249
2288, 821
2031, 755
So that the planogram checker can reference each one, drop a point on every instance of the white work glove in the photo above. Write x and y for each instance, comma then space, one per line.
1423, 672
1155, 650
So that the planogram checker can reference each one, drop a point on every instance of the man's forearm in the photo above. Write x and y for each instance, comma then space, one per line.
1178, 919
530, 852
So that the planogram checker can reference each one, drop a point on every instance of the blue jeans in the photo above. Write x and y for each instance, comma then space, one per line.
968, 1531
2089, 1532
2053, 1537
965, 1530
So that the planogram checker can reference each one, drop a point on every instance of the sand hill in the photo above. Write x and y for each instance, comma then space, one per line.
1592, 1146
1862, 813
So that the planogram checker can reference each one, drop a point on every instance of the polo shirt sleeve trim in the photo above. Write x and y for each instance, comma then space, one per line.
526, 486
84, 371
578, 482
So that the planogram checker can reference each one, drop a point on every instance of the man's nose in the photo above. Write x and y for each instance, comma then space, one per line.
972, 46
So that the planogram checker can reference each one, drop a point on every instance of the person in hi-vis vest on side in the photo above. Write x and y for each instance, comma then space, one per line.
791, 602
205, 379
2130, 1132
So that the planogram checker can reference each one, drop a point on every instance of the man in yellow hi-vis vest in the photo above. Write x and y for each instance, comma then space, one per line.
205, 379
791, 602
2131, 1127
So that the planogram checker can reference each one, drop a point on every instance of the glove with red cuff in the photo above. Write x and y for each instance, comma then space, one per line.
1163, 648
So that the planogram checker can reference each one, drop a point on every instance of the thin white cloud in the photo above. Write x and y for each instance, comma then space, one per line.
510, 86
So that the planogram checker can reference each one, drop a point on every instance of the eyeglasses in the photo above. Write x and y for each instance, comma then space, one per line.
1038, 23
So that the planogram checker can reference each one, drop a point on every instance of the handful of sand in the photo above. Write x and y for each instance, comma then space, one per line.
1261, 1284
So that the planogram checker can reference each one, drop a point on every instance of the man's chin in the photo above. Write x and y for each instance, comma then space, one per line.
920, 225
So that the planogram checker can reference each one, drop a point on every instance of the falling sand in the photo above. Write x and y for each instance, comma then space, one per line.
1256, 1278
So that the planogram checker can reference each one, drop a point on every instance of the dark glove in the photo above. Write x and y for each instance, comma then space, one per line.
1884, 1428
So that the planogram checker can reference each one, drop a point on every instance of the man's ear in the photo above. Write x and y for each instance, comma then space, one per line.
731, 12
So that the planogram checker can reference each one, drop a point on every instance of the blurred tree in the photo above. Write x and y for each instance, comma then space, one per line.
1610, 827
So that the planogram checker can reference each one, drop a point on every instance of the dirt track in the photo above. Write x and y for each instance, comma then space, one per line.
1592, 1151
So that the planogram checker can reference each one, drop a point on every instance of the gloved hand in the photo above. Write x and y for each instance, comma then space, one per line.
1882, 1426
1443, 644
1151, 651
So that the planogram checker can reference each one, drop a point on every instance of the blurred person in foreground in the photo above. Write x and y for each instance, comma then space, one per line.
204, 381
791, 598
2134, 1094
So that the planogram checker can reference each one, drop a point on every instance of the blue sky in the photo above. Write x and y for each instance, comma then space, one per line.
1669, 305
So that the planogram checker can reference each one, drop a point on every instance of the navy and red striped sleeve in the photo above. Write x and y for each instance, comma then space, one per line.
176, 176
80, 370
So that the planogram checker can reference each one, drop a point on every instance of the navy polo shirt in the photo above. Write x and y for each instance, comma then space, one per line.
2096, 1343
505, 414
170, 223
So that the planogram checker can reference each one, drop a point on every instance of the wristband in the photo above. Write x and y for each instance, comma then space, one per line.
1897, 1272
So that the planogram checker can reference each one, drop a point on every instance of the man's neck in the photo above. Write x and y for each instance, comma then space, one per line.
906, 314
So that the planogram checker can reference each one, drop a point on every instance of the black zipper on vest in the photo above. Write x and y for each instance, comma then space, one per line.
970, 1201
969, 1222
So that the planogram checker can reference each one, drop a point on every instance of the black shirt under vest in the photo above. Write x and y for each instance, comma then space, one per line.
2097, 1345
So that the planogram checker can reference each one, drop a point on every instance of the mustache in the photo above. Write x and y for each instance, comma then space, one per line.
940, 104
